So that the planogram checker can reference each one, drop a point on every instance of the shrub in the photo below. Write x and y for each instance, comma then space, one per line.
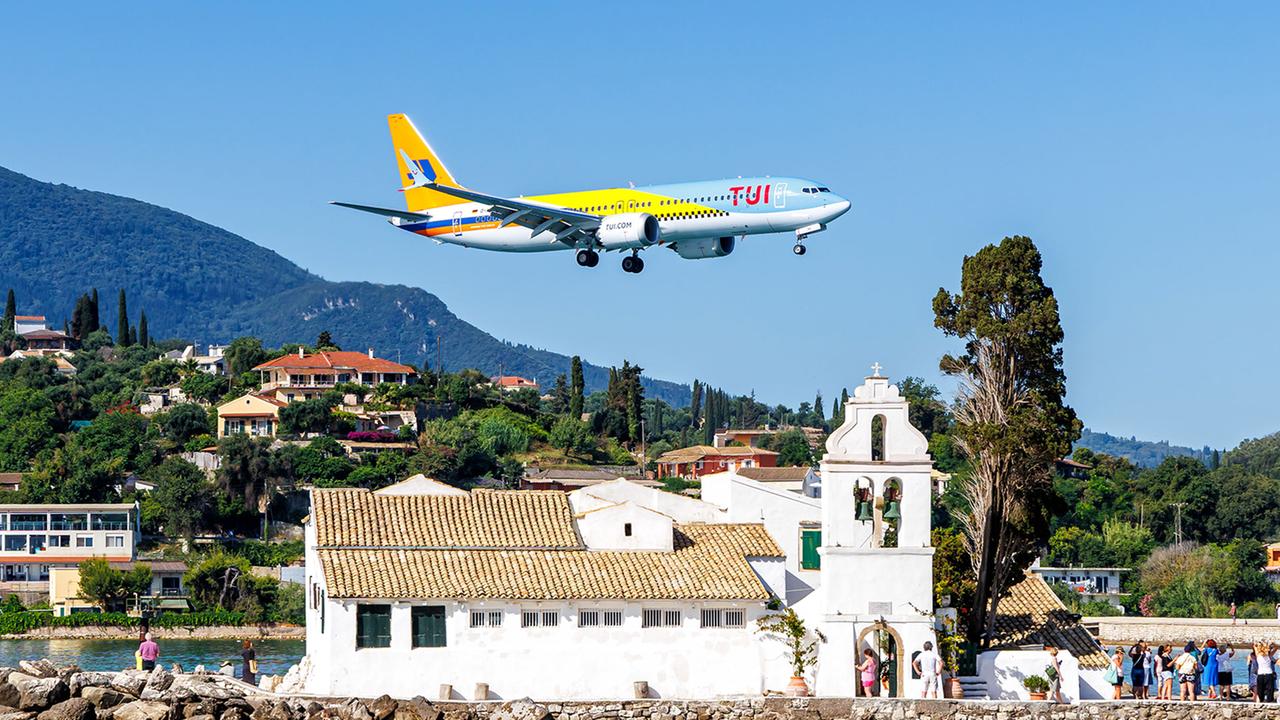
1036, 683
20, 622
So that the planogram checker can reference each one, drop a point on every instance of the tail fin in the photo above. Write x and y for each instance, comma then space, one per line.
410, 146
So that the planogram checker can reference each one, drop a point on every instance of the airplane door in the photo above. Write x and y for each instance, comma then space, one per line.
780, 195
457, 224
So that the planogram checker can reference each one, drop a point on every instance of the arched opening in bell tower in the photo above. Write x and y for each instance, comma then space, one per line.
877, 438
891, 512
885, 644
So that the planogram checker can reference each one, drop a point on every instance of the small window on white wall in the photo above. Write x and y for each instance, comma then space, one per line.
735, 618
660, 618
486, 618
613, 618
626, 529
588, 618
539, 618
723, 618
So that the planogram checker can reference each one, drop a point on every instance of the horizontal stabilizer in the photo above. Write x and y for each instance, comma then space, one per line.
385, 212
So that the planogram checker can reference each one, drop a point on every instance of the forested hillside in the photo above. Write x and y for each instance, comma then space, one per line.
202, 283
1139, 452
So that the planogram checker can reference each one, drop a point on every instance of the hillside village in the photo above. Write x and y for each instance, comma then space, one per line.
149, 480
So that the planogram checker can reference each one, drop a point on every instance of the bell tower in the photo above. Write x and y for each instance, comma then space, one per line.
877, 561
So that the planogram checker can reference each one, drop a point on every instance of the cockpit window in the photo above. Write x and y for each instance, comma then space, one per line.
822, 189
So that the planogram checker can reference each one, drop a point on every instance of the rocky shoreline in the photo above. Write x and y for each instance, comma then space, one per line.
215, 632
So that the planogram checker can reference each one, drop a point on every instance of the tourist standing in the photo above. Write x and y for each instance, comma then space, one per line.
1253, 675
1225, 653
1266, 673
1115, 674
1138, 669
1187, 668
1054, 671
250, 659
928, 664
1209, 661
1232, 612
148, 650
1164, 658
868, 670
1153, 676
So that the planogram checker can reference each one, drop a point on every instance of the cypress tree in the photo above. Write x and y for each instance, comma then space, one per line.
837, 414
10, 309
133, 335
94, 322
77, 318
122, 321
695, 404
817, 408
143, 339
576, 387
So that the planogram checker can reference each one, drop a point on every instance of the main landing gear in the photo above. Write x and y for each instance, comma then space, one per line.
632, 264
588, 258
798, 249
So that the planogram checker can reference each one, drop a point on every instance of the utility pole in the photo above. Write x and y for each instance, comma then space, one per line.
1177, 523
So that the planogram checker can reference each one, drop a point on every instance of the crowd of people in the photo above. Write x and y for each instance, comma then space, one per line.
1199, 672
148, 653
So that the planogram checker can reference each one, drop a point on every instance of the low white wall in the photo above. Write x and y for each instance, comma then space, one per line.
1004, 670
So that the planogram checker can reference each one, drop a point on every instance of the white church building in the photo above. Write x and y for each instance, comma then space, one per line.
617, 589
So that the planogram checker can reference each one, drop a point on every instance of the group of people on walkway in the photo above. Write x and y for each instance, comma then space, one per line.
1199, 672
148, 653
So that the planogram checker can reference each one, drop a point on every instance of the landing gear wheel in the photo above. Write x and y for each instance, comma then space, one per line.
588, 258
632, 264
799, 249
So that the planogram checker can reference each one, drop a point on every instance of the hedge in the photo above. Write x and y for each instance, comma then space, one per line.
20, 622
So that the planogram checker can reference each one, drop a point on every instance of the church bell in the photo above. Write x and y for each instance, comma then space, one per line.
892, 510
864, 511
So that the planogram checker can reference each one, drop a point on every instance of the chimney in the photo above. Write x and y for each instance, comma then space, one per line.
370, 352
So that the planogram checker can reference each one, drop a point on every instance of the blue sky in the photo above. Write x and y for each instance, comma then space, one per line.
1137, 145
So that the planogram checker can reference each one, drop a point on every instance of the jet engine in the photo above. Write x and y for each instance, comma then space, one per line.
625, 231
705, 247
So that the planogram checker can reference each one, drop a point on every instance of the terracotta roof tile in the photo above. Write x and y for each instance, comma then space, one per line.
517, 545
340, 359
1031, 614
698, 452
774, 474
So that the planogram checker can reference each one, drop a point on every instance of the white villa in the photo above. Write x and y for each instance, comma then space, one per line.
616, 587
36, 538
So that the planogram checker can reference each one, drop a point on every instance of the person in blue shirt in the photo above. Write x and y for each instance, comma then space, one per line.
1209, 661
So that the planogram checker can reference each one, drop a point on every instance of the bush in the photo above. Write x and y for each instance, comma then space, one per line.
267, 554
20, 622
290, 605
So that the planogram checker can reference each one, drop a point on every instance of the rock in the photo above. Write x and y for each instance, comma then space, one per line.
142, 710
159, 679
417, 709
522, 709
176, 669
130, 682
234, 713
101, 697
382, 708
38, 693
81, 680
73, 709
9, 694
200, 707
12, 713
201, 717
38, 668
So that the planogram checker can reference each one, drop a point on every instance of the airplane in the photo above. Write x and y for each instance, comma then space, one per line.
696, 219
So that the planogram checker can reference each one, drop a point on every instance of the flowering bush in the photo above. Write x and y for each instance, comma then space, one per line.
1146, 605
371, 436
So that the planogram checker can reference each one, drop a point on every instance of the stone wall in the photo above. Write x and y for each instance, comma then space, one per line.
40, 691
1177, 631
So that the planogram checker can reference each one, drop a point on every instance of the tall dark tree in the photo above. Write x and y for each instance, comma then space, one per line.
78, 318
560, 396
576, 387
695, 403
95, 321
122, 320
144, 339
817, 409
10, 309
325, 341
133, 335
1011, 421
837, 413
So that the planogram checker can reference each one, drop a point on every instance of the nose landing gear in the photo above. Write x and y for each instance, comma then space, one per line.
588, 258
632, 264
798, 249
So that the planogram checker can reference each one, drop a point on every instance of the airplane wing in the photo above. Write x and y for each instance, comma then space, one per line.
570, 226
385, 212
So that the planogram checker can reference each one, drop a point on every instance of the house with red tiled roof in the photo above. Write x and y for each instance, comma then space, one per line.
511, 383
46, 340
255, 414
302, 375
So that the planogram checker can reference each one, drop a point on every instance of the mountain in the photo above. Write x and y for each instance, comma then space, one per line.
1142, 453
198, 281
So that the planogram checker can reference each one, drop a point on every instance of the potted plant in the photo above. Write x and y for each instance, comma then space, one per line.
1038, 686
788, 627
949, 650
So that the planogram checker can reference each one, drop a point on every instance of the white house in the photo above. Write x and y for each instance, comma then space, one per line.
35, 538
503, 594
1091, 583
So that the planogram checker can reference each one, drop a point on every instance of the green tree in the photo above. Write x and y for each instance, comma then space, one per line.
309, 416
184, 422
122, 321
244, 354
183, 494
324, 341
1011, 421
203, 387
571, 435
792, 447
560, 403
144, 339
10, 309
27, 420
107, 587
576, 387
248, 471
219, 581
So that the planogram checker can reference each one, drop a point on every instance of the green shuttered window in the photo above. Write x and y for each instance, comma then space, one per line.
428, 626
373, 626
809, 542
